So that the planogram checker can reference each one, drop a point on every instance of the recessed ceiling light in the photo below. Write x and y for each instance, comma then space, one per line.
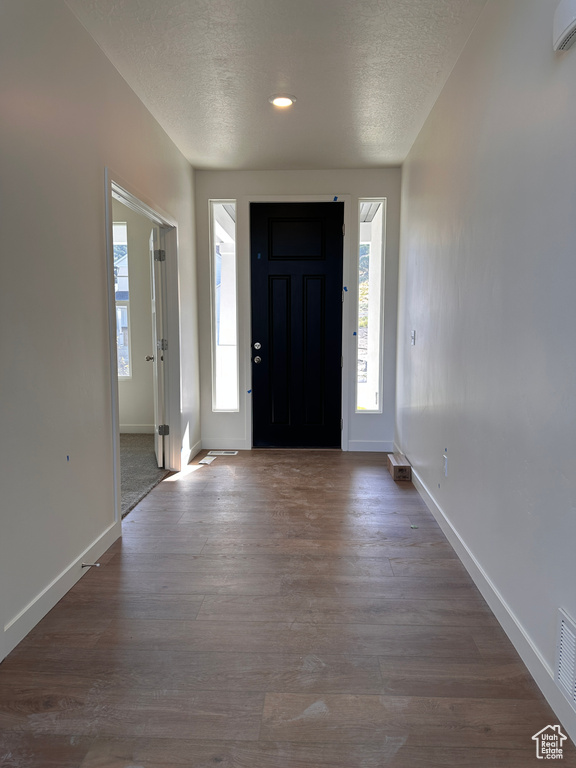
282, 100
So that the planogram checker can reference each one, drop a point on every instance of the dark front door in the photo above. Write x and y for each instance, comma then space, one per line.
296, 253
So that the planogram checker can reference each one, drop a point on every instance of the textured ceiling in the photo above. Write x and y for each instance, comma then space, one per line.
365, 72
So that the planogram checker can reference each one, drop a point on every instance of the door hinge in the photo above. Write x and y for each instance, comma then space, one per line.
341, 423
343, 229
341, 362
163, 429
160, 255
162, 344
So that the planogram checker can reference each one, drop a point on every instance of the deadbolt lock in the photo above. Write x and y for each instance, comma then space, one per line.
257, 359
257, 345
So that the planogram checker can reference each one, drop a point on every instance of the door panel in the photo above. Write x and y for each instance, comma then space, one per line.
280, 291
297, 319
314, 353
296, 239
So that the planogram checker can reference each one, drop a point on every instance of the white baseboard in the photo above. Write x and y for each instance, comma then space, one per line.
538, 667
187, 456
237, 444
18, 627
378, 446
137, 429
225, 444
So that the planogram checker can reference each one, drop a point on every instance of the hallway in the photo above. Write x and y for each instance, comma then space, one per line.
276, 609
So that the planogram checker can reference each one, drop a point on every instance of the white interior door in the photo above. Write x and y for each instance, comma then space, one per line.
159, 342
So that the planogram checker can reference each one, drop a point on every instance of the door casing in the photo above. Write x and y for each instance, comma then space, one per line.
115, 186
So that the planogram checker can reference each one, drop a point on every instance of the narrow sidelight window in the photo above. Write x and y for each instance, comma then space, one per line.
224, 305
122, 295
371, 251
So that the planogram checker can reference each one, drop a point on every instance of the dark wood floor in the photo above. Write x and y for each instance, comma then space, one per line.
277, 609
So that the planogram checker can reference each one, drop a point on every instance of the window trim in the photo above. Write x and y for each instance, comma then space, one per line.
123, 303
380, 407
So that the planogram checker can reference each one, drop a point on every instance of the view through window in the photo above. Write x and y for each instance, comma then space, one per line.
122, 296
224, 309
370, 306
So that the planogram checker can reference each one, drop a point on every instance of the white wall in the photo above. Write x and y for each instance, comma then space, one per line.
66, 115
361, 431
136, 394
487, 280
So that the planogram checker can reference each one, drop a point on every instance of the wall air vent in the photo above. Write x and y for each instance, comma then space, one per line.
565, 670
565, 25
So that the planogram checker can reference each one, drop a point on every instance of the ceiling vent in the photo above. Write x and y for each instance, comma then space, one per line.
565, 25
565, 670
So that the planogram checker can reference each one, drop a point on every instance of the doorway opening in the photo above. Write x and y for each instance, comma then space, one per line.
141, 459
139, 240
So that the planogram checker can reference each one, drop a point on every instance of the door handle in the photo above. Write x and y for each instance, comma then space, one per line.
257, 345
257, 359
149, 358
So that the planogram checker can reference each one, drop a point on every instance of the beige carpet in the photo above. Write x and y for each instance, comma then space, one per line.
140, 472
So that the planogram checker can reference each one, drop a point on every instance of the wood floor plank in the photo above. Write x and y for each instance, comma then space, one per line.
382, 587
416, 721
25, 750
278, 516
250, 608
109, 579
406, 547
165, 514
179, 545
246, 583
399, 612
433, 676
175, 583
263, 563
133, 670
56, 628
343, 610
429, 567
376, 532
157, 713
30, 750
274, 637
86, 606
158, 753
